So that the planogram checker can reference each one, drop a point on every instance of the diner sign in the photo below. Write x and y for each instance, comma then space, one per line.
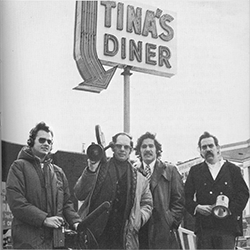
120, 34
136, 35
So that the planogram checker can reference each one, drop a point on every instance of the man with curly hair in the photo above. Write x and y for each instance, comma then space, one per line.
168, 196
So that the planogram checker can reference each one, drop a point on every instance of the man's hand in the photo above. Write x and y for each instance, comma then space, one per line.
93, 165
54, 222
204, 209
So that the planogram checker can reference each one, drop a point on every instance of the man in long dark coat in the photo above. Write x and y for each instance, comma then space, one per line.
205, 182
38, 194
168, 196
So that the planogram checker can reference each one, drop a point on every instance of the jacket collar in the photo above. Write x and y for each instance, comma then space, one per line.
26, 154
206, 172
160, 169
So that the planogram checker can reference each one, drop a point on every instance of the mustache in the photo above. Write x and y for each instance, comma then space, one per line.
209, 153
147, 153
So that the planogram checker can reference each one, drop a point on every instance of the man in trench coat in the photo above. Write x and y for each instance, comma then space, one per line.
167, 189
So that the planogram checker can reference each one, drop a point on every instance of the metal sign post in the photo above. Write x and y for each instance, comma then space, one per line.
126, 73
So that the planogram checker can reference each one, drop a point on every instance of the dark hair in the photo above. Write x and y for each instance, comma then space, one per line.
146, 136
34, 131
114, 138
207, 135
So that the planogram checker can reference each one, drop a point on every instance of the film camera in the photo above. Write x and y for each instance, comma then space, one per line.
84, 237
96, 152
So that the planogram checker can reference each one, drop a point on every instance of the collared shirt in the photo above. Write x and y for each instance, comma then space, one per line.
215, 168
151, 165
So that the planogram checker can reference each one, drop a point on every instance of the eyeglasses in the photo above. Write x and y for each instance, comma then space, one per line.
119, 146
43, 140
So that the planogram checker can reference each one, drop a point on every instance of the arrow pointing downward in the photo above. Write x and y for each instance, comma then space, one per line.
93, 73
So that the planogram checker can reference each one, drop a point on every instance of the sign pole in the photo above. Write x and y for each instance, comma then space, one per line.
126, 73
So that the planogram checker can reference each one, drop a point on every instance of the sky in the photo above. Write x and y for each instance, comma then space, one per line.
210, 91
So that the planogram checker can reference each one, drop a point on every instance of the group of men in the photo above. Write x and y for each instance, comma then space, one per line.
147, 199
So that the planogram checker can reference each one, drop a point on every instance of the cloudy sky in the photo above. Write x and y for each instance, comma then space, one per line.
210, 91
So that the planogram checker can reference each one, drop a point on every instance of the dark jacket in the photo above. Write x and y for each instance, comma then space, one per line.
168, 197
229, 182
26, 196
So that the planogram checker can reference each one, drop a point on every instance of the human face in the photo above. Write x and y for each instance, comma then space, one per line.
122, 148
41, 148
209, 151
148, 150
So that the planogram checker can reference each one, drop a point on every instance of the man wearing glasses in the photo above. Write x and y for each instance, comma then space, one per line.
127, 190
38, 194
207, 185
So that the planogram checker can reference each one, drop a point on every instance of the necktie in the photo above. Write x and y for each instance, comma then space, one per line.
148, 171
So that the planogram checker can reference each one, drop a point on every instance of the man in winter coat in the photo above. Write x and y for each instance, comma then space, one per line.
38, 194
168, 196
127, 190
205, 182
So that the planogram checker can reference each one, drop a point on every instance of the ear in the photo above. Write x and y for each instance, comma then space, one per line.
111, 144
199, 150
112, 147
131, 149
202, 156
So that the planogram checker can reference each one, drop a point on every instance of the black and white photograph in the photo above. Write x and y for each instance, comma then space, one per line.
125, 124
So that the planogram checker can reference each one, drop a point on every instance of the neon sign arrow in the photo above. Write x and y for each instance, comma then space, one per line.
95, 77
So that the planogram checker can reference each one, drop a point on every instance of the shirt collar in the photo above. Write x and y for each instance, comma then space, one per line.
151, 165
218, 164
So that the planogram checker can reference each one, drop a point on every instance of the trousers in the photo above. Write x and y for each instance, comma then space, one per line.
215, 239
